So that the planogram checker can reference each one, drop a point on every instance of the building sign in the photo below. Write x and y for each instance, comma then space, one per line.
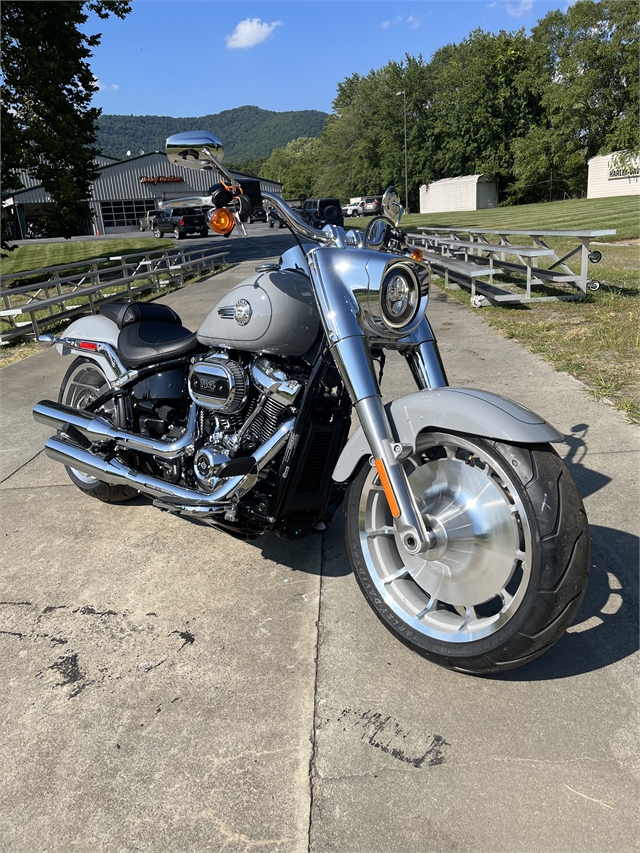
629, 169
161, 179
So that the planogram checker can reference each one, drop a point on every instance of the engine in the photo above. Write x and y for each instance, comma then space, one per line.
240, 409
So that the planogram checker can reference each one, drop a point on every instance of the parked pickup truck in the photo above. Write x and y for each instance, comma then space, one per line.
146, 223
180, 221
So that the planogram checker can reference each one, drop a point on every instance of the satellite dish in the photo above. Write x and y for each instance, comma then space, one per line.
128, 153
141, 151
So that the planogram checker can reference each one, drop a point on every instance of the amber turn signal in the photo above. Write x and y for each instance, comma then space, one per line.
221, 221
416, 255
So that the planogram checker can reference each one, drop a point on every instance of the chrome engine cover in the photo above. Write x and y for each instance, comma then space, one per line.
219, 384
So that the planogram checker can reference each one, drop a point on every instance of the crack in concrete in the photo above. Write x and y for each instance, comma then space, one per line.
313, 774
24, 465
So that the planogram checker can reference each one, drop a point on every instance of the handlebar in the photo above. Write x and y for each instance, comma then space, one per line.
294, 221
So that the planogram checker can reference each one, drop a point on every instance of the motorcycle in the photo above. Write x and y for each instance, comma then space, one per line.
463, 526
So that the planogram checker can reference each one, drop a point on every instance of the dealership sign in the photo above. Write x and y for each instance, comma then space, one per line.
624, 169
161, 179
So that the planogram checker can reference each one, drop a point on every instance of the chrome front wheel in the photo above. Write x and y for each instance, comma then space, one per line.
474, 600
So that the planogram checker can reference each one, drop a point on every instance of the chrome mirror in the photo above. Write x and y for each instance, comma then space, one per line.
195, 149
392, 206
377, 234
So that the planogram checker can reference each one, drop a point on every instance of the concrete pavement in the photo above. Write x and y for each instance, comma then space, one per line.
168, 688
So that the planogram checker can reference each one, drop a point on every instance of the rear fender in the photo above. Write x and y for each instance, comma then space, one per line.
461, 410
94, 328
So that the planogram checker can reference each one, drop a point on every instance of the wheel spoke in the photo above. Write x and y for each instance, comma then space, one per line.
396, 575
430, 606
385, 530
506, 597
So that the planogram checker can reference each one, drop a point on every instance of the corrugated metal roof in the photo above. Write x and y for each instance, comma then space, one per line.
148, 176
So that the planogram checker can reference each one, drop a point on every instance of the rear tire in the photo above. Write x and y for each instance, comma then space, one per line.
83, 383
511, 561
177, 233
157, 232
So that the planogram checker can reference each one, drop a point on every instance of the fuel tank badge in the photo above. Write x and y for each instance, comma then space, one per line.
243, 312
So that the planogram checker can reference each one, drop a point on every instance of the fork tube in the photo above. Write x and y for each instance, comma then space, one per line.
353, 359
426, 366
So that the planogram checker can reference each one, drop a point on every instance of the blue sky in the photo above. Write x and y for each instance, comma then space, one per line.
194, 57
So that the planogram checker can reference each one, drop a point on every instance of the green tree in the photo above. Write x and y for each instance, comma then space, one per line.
295, 166
247, 167
585, 70
479, 101
48, 125
363, 141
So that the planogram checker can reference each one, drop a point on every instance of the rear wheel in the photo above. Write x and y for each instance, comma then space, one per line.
83, 383
510, 562
157, 232
204, 232
177, 233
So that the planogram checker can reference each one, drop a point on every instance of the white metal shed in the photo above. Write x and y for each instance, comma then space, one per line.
468, 192
611, 176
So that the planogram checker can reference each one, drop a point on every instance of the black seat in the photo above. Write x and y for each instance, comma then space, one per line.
148, 341
125, 313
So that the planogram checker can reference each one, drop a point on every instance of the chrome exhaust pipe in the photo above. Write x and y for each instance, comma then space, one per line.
96, 429
115, 472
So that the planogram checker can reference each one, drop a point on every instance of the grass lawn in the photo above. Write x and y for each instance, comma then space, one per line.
41, 255
586, 214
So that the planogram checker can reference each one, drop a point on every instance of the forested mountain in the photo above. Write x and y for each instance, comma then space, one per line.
246, 132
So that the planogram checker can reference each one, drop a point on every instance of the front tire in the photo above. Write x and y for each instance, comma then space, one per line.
510, 564
83, 383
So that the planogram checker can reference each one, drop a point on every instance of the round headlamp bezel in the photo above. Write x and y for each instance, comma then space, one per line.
393, 321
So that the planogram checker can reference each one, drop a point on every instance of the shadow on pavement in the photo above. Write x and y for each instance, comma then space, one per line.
605, 629
587, 480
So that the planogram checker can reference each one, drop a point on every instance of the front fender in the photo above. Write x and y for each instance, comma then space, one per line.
463, 410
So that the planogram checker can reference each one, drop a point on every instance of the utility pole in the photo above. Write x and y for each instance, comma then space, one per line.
406, 169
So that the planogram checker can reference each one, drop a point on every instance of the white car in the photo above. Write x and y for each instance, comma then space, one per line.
352, 209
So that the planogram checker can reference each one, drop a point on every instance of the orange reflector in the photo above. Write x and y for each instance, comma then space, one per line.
221, 221
386, 485
417, 254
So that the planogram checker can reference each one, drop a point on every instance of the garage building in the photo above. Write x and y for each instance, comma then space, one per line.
468, 192
123, 192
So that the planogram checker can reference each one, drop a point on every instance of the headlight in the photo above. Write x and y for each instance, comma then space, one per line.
399, 297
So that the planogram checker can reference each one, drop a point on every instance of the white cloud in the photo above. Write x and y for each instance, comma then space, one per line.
105, 87
250, 32
523, 8
414, 23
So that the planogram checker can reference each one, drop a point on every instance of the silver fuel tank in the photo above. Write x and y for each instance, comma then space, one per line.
273, 312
